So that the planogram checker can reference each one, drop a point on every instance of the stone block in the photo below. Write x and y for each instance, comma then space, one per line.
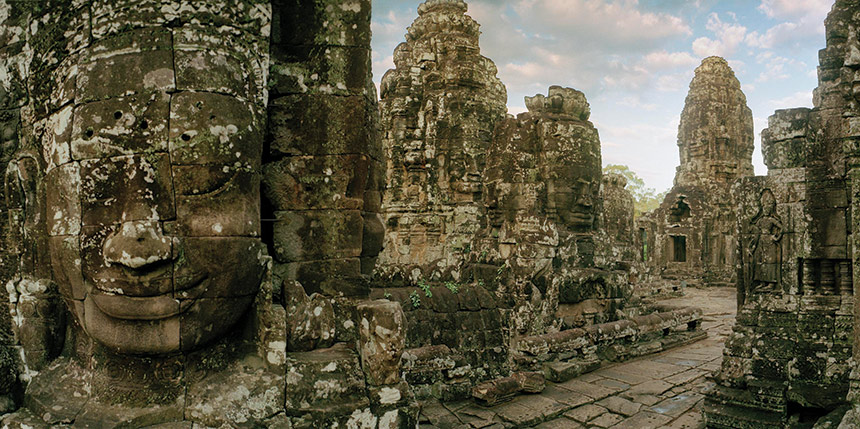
317, 235
120, 126
322, 377
319, 125
323, 23
316, 183
323, 70
215, 129
311, 324
381, 341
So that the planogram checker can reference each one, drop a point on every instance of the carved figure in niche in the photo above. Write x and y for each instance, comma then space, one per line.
764, 246
680, 211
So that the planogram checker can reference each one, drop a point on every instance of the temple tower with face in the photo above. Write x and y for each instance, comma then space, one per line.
691, 234
439, 108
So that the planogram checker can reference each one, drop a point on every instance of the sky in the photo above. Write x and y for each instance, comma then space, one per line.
634, 60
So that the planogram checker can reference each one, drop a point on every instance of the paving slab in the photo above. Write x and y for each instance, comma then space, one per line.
630, 378
615, 385
606, 420
644, 420
653, 388
519, 415
677, 405
548, 407
690, 420
593, 391
585, 413
561, 423
686, 376
619, 405
567, 397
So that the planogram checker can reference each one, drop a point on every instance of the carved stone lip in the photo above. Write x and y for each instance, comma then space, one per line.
158, 307
582, 217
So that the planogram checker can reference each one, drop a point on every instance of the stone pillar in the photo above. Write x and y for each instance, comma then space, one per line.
323, 167
382, 339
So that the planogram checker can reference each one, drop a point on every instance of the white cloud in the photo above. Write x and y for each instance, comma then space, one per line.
798, 99
637, 103
663, 60
801, 20
729, 36
781, 9
620, 23
674, 82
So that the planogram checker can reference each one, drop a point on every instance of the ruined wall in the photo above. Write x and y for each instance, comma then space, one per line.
439, 108
786, 361
15, 57
323, 165
691, 235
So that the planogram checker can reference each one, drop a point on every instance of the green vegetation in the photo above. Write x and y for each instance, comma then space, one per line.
453, 287
416, 300
645, 199
426, 288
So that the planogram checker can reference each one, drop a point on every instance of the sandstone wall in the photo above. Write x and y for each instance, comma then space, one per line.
787, 358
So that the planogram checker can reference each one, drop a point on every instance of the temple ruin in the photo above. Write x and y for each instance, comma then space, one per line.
210, 218
788, 360
691, 237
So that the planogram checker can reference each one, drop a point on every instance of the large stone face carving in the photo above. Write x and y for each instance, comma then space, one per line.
439, 108
542, 197
151, 182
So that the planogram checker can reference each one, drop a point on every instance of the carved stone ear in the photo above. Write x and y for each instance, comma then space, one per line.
26, 236
22, 185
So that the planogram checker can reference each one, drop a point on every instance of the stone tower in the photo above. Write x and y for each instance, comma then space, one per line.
439, 107
715, 137
691, 234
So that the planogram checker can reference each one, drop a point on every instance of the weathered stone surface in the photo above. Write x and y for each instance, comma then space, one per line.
312, 320
381, 341
439, 106
794, 252
322, 170
691, 236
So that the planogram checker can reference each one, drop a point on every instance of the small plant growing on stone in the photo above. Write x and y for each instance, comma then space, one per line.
416, 300
426, 288
481, 282
387, 295
453, 287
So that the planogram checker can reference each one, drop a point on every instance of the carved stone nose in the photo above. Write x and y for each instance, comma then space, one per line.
137, 244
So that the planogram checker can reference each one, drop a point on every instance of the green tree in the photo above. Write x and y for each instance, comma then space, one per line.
645, 199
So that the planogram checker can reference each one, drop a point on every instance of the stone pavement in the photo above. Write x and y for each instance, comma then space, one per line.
664, 390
